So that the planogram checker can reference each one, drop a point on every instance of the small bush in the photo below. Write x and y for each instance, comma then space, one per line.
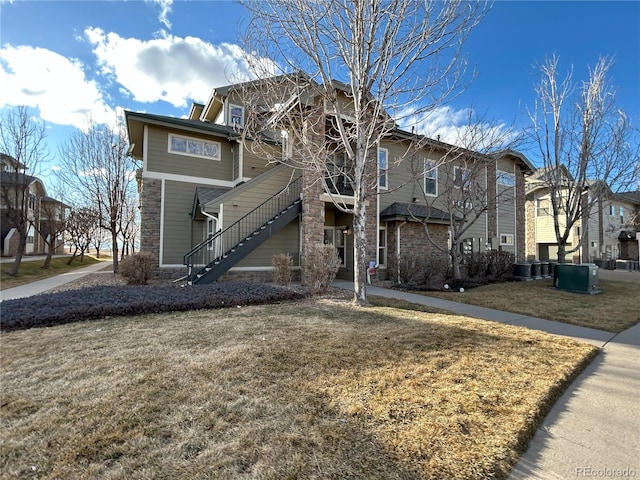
418, 270
477, 264
136, 269
494, 264
500, 263
282, 268
321, 267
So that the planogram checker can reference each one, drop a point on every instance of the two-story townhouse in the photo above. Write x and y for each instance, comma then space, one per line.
612, 228
605, 230
211, 203
45, 215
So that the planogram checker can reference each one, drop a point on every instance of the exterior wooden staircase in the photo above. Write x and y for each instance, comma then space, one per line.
210, 259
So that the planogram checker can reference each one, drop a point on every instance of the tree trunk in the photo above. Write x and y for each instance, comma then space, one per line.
47, 260
114, 243
359, 255
561, 252
22, 242
73, 255
455, 263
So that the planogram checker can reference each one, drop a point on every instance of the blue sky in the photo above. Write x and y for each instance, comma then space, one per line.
68, 59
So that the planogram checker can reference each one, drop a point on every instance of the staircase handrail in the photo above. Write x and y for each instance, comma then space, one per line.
293, 190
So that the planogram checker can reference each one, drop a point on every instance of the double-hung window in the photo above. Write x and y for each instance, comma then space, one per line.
383, 168
236, 115
382, 246
430, 178
461, 178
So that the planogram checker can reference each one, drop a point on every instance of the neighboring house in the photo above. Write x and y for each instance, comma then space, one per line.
207, 201
613, 227
44, 213
608, 231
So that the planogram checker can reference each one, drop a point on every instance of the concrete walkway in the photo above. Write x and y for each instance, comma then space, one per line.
46, 284
593, 430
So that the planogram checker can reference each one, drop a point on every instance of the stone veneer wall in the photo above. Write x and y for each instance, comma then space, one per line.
150, 203
530, 228
521, 233
313, 215
492, 201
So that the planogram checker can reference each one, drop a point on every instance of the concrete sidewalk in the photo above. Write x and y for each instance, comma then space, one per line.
46, 284
593, 430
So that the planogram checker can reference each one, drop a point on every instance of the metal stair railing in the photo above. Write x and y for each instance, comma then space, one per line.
224, 242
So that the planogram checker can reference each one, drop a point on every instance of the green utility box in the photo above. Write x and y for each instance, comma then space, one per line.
581, 278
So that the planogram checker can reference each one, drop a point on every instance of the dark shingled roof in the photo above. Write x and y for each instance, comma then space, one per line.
206, 194
407, 210
16, 178
630, 196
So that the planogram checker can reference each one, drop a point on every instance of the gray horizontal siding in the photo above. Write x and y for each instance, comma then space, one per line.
161, 161
178, 232
286, 240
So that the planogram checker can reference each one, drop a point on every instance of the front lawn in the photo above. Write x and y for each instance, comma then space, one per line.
316, 388
615, 309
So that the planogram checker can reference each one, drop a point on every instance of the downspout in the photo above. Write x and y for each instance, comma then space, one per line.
398, 248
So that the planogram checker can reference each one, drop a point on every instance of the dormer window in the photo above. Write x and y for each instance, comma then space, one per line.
236, 115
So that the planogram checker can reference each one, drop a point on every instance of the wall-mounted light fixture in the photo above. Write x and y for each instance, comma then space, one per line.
347, 231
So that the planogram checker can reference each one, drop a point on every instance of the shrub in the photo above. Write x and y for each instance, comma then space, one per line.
477, 264
136, 269
321, 267
500, 263
490, 265
417, 270
97, 302
282, 268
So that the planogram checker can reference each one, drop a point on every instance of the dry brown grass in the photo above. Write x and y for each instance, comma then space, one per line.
613, 310
316, 389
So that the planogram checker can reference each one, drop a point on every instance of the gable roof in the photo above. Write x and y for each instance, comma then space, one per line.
135, 122
17, 178
203, 195
632, 197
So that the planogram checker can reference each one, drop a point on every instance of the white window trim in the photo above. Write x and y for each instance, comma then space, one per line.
382, 262
507, 242
230, 122
432, 170
386, 170
194, 139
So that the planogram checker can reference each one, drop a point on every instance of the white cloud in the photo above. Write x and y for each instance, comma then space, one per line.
458, 127
55, 85
172, 69
165, 10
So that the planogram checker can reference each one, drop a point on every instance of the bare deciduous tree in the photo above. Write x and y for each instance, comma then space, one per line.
367, 67
451, 180
585, 143
82, 224
22, 145
96, 162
